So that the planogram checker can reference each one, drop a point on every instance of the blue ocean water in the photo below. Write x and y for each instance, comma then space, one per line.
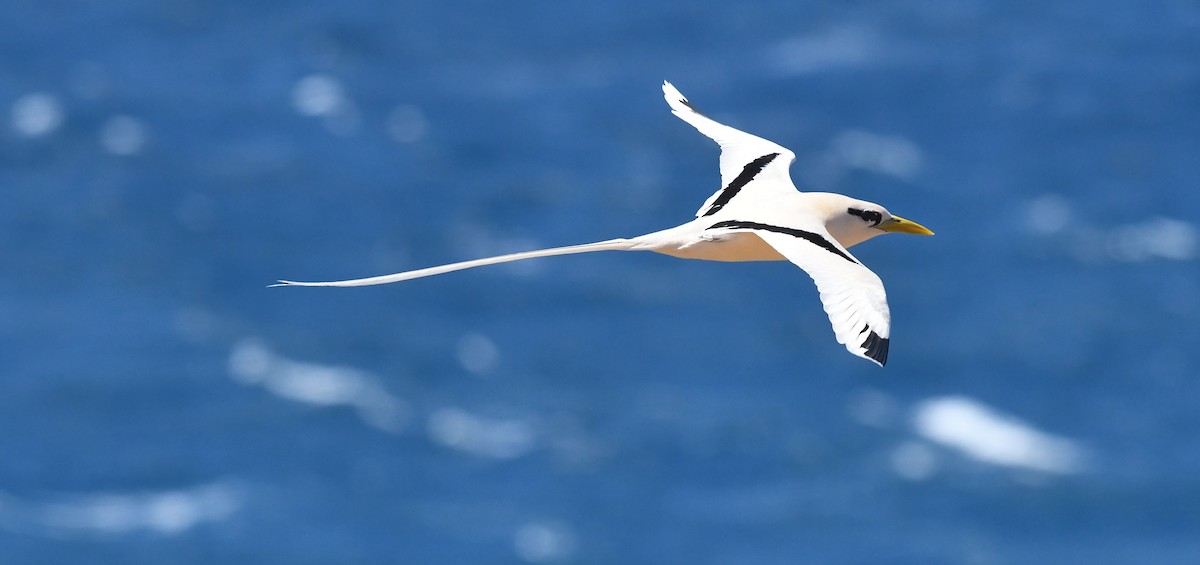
162, 162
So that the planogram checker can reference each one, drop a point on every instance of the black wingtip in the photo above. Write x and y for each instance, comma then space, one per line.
876, 348
685, 102
683, 99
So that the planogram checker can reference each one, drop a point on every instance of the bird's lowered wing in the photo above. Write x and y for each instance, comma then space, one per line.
852, 295
748, 162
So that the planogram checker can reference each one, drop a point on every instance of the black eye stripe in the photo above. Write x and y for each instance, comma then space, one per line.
867, 215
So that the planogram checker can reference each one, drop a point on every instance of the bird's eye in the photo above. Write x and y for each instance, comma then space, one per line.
867, 215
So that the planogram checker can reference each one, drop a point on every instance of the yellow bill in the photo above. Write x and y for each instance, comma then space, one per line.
901, 225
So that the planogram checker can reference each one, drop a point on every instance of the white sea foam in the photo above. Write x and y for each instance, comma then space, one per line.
856, 149
37, 114
252, 363
318, 95
477, 435
879, 153
1156, 238
1048, 214
323, 96
478, 353
168, 512
834, 48
543, 542
979, 432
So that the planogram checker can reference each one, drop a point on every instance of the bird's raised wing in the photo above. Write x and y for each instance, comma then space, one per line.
853, 296
748, 163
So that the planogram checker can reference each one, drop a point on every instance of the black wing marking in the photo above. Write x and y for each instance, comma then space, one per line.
811, 237
876, 347
748, 173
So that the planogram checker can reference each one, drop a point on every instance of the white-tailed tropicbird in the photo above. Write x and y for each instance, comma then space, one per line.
757, 215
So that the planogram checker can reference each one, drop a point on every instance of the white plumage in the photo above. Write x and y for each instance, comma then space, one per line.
757, 215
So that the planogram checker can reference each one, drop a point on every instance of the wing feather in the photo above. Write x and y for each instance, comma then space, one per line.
748, 162
852, 295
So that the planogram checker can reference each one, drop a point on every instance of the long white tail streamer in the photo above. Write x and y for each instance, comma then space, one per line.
609, 245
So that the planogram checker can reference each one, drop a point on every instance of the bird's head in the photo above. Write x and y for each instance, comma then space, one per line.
854, 221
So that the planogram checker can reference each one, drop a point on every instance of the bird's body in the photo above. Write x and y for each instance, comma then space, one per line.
757, 215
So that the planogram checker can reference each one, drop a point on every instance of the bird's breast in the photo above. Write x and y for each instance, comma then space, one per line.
729, 247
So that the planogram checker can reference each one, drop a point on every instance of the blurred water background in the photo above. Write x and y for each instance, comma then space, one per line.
162, 162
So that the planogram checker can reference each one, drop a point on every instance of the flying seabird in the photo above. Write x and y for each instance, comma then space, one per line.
757, 215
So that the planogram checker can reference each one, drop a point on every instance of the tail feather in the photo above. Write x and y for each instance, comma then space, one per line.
610, 245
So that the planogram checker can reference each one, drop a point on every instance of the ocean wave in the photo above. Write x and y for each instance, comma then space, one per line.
107, 513
253, 364
988, 436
